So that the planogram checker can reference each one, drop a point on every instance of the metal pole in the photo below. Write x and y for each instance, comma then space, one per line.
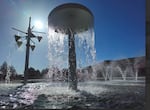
72, 61
27, 53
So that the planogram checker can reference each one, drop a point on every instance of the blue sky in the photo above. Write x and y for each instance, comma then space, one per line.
119, 29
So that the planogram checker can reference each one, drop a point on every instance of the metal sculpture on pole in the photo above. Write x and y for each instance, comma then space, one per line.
29, 37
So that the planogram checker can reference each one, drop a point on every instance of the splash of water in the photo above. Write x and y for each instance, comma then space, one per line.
58, 50
85, 48
127, 69
8, 73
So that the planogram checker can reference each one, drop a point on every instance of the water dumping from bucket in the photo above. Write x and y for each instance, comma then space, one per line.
76, 22
58, 50
85, 48
8, 74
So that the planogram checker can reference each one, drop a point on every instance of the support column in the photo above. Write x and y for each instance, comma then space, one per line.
27, 60
27, 53
72, 61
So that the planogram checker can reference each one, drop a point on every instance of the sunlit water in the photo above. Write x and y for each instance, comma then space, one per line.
58, 50
8, 74
57, 95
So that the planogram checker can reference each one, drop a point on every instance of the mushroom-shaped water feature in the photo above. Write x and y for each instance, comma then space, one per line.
71, 19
